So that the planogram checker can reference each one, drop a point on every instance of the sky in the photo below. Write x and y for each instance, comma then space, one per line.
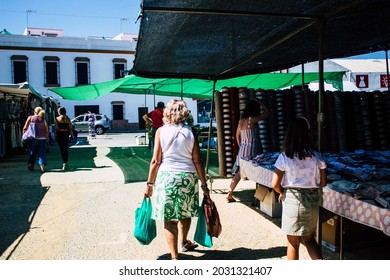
77, 18
81, 18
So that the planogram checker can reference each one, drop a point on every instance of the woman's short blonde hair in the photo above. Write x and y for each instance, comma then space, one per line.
41, 113
37, 110
175, 112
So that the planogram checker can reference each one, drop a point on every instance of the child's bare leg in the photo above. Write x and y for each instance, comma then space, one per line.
293, 243
312, 247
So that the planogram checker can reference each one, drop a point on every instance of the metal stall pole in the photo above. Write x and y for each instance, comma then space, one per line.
181, 88
209, 138
320, 114
145, 112
303, 77
387, 71
341, 238
154, 96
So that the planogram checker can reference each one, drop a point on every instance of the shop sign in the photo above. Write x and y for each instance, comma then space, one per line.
384, 81
362, 81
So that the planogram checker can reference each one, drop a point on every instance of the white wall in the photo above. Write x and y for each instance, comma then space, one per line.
101, 69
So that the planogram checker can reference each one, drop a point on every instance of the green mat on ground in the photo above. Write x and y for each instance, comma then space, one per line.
134, 162
79, 158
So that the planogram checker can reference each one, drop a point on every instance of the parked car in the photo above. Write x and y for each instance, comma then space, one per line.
102, 123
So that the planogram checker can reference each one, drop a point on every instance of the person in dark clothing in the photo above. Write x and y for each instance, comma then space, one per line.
63, 130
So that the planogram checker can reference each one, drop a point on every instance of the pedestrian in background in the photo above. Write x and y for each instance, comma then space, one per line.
303, 173
190, 120
91, 125
248, 139
37, 145
63, 130
174, 172
155, 119
148, 126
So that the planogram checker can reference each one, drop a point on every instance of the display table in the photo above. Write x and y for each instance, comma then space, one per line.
357, 210
262, 176
258, 174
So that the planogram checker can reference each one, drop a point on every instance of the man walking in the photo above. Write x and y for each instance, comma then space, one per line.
154, 118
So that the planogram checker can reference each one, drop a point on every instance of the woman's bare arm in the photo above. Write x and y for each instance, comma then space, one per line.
28, 121
264, 115
154, 164
197, 159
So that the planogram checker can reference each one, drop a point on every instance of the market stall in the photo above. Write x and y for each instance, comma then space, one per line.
358, 190
17, 102
269, 36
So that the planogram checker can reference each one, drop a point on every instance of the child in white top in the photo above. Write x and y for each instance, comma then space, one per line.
302, 173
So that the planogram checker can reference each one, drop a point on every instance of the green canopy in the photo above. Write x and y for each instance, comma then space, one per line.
192, 88
6, 32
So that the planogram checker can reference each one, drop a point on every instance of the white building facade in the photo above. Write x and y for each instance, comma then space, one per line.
46, 60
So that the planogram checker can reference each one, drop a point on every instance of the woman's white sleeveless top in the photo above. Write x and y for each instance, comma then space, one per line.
177, 142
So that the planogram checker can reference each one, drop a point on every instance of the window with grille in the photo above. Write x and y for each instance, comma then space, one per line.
82, 71
52, 71
19, 68
119, 67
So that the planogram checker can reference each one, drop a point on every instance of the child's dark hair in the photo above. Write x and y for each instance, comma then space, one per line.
251, 109
298, 141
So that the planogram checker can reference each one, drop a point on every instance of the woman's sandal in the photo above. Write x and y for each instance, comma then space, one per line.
230, 200
188, 246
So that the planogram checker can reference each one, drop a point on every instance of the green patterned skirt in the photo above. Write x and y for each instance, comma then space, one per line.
175, 196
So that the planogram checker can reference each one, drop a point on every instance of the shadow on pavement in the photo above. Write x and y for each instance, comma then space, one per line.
247, 197
21, 191
234, 254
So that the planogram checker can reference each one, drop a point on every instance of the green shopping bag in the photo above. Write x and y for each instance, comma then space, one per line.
201, 236
145, 227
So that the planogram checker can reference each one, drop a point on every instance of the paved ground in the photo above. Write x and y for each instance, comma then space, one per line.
87, 213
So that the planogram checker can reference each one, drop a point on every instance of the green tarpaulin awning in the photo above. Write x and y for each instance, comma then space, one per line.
5, 32
192, 88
